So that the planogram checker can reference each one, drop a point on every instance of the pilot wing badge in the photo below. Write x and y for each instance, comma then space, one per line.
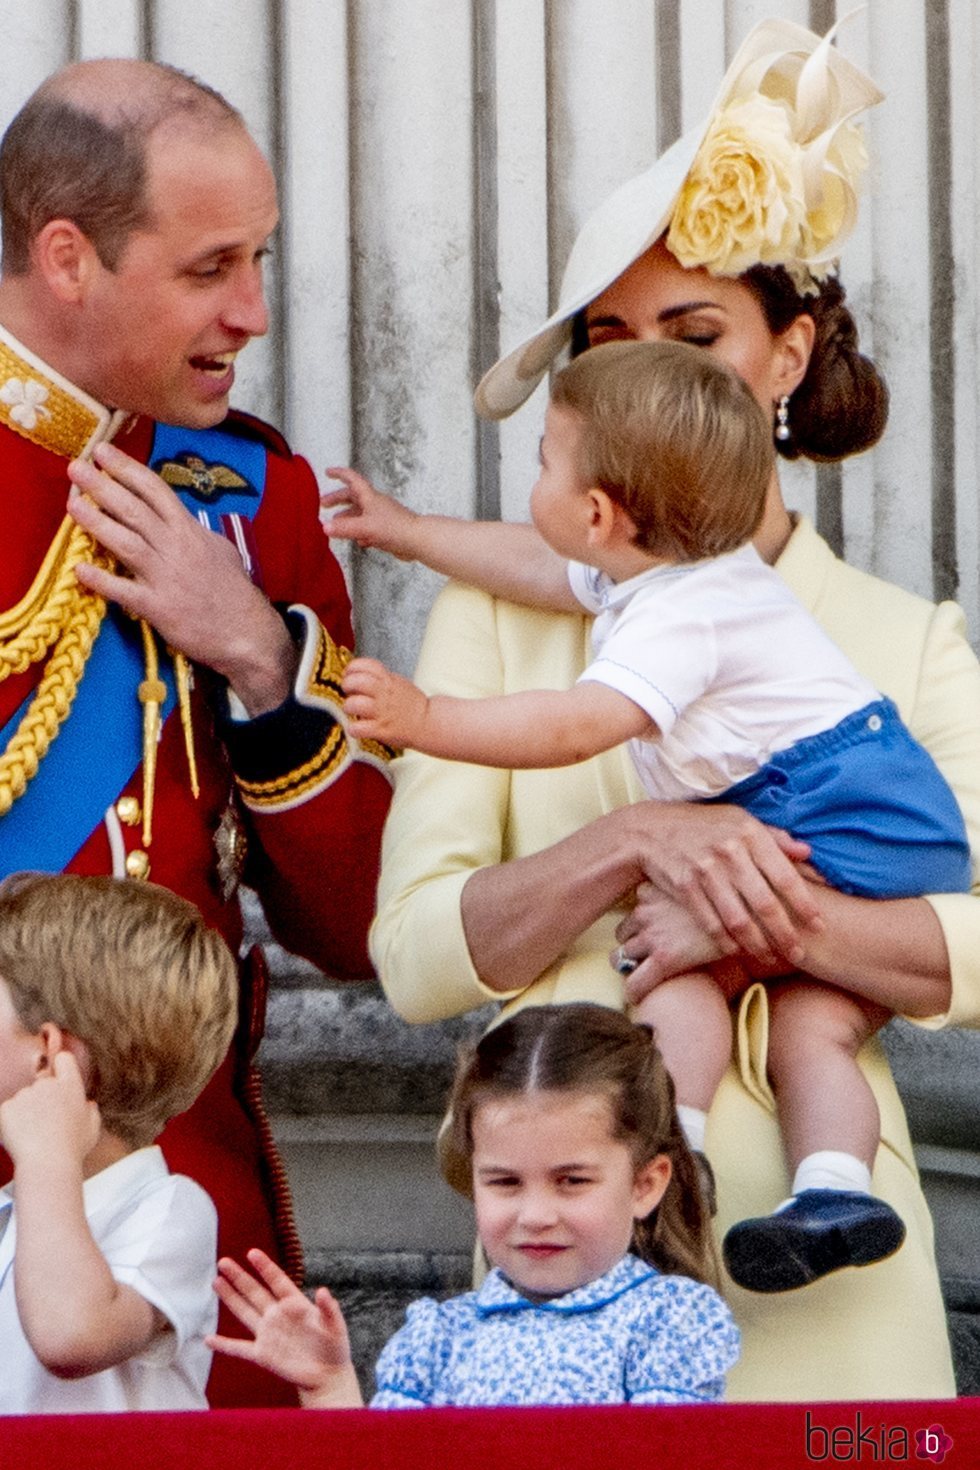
201, 480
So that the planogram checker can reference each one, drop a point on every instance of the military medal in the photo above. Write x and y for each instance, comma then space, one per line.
231, 845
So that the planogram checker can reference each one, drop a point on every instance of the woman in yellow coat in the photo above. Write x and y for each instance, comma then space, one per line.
517, 886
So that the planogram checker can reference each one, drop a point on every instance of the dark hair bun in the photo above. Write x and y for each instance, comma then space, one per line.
841, 406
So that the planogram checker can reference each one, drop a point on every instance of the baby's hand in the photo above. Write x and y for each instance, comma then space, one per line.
370, 517
381, 705
52, 1117
303, 1341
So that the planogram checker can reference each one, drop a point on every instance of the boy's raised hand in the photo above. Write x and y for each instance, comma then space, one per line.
303, 1341
369, 517
52, 1117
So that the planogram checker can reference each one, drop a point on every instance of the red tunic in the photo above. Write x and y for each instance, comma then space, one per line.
313, 858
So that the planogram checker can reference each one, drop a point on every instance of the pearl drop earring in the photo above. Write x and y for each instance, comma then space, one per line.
782, 431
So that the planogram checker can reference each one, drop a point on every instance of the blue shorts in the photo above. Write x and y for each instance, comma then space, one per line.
880, 819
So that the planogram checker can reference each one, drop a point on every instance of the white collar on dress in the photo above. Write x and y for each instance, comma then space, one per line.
498, 1295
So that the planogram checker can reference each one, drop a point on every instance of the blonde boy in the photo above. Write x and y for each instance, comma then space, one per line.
117, 1004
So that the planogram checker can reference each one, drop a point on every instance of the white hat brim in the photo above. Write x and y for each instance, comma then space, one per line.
616, 233
636, 214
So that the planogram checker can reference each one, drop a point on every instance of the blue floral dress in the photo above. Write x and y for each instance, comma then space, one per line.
632, 1336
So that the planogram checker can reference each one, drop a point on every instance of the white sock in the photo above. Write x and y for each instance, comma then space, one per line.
693, 1122
830, 1169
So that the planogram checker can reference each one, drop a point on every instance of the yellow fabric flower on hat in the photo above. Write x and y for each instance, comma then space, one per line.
774, 181
742, 203
831, 214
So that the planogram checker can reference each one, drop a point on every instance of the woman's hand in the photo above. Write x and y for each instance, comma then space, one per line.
368, 516
303, 1341
661, 938
889, 952
736, 879
739, 881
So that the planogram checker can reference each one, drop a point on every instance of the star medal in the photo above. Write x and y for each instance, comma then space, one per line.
231, 845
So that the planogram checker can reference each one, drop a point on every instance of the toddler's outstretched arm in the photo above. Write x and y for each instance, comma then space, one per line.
302, 1341
502, 558
532, 729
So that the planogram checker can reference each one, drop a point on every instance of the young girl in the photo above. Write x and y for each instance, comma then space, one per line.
655, 463
563, 1132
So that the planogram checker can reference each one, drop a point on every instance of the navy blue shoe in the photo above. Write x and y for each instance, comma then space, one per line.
819, 1231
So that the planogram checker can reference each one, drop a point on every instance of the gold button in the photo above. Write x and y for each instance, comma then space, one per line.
137, 863
128, 810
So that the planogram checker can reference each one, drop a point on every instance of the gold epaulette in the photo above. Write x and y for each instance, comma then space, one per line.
57, 619
40, 405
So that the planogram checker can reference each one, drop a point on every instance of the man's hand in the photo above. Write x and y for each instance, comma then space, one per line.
183, 579
368, 516
52, 1118
381, 705
738, 879
304, 1342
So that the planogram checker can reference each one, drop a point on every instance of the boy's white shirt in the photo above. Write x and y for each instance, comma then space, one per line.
158, 1233
726, 662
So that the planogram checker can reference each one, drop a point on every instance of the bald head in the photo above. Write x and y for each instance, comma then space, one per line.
137, 95
77, 150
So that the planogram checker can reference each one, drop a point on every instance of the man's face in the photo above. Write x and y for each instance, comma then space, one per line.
164, 327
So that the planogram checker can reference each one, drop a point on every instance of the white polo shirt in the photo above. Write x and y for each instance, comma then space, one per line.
726, 662
158, 1233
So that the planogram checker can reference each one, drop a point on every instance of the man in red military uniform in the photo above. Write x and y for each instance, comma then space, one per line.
136, 210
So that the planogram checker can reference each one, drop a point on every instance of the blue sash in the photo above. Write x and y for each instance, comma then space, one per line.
100, 746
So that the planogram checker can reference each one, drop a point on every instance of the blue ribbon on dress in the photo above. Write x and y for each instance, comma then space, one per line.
100, 746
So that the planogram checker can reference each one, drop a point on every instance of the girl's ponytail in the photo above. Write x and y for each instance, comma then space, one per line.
677, 1237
